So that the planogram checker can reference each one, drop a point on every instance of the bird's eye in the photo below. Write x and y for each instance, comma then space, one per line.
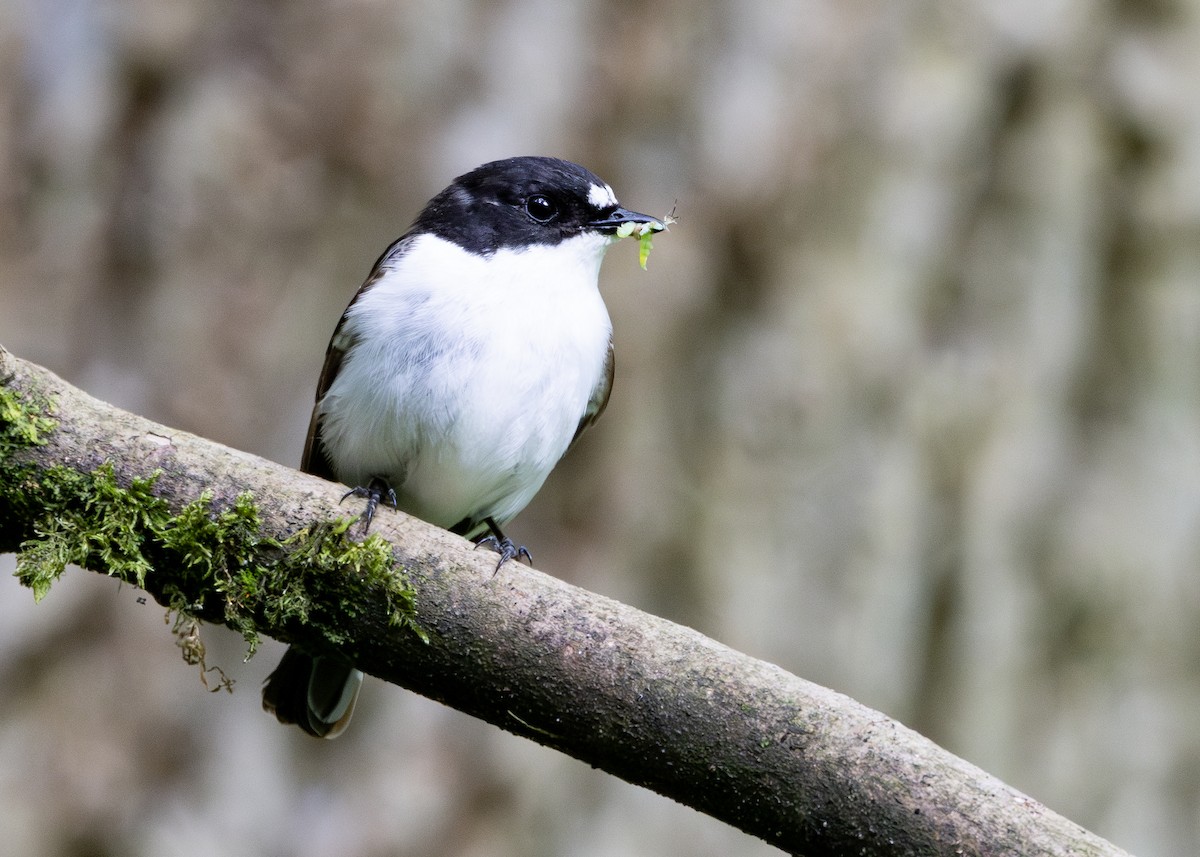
541, 208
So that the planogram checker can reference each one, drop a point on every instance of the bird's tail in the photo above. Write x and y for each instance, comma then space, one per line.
316, 694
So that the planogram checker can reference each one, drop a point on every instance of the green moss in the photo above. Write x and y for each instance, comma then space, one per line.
319, 577
91, 521
213, 563
321, 554
23, 423
213, 548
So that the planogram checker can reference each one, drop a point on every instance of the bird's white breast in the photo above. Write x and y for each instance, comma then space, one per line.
465, 377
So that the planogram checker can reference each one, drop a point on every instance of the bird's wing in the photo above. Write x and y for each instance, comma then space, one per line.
599, 397
315, 460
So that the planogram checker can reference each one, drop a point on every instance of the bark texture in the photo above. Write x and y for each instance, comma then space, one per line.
655, 703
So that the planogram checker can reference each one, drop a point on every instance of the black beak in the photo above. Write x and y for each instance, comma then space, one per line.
612, 221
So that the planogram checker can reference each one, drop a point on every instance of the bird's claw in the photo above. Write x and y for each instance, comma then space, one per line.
377, 491
506, 548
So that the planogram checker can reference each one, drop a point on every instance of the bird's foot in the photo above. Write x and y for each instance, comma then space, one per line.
374, 493
505, 547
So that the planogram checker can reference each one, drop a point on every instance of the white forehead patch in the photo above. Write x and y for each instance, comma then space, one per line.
602, 196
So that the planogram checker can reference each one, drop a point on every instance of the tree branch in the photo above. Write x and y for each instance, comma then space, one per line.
659, 705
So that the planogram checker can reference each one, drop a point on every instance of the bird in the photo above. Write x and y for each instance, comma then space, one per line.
470, 360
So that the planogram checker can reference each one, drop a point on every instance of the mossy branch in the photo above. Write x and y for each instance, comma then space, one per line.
226, 537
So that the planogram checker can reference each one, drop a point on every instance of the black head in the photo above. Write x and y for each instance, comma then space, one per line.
520, 202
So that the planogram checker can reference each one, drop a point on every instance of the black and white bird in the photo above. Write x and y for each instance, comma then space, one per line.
470, 360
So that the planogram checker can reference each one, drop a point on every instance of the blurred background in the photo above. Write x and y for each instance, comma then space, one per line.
907, 403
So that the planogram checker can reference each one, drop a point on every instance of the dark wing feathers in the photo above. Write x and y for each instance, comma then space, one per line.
315, 461
599, 400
